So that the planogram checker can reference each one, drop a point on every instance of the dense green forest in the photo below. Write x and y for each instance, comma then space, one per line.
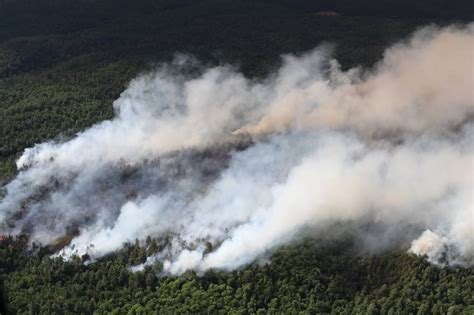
63, 63
309, 278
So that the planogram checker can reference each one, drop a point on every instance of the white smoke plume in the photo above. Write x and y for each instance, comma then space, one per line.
245, 165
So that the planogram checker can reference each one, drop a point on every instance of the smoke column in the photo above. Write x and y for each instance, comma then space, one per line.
248, 165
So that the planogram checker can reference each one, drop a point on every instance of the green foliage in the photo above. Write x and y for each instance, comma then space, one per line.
303, 278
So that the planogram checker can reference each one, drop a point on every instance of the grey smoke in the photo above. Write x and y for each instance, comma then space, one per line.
247, 165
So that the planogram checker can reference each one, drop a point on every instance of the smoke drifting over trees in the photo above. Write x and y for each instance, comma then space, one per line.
216, 158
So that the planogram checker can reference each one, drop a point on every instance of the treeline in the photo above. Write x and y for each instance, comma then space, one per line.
393, 8
96, 10
307, 278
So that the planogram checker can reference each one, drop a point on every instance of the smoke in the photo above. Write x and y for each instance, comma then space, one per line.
422, 85
225, 168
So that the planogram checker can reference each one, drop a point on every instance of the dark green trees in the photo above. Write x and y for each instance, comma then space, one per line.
302, 278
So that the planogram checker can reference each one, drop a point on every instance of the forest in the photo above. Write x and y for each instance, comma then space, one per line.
310, 277
62, 65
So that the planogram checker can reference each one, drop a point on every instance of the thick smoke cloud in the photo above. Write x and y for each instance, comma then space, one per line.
423, 85
206, 156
